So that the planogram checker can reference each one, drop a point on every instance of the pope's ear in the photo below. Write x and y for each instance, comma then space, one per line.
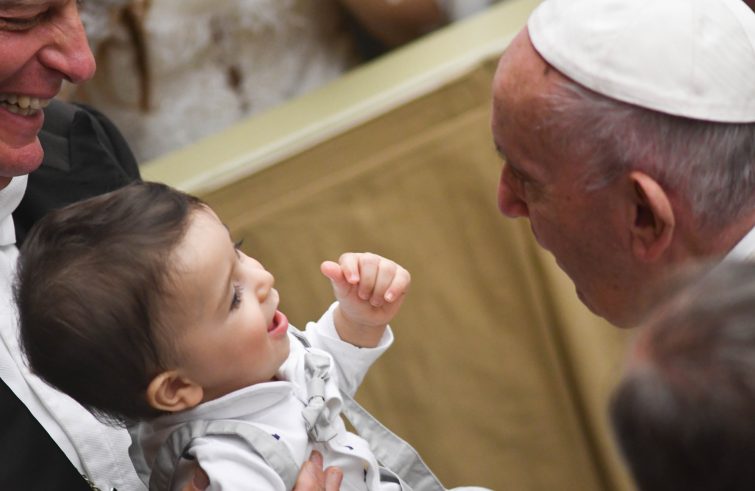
171, 392
651, 215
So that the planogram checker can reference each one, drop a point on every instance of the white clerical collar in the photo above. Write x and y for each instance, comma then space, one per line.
745, 249
10, 197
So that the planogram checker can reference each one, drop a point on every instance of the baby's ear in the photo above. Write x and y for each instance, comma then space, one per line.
171, 392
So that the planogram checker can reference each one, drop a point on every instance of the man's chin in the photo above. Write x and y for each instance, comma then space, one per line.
622, 318
623, 322
19, 161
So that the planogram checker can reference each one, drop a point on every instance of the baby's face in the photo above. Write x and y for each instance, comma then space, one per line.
231, 334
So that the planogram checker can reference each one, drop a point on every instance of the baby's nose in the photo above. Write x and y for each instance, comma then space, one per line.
264, 282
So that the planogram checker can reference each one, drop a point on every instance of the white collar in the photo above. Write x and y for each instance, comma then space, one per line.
10, 197
745, 248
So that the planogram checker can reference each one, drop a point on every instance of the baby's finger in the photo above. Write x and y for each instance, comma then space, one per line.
334, 273
368, 269
385, 275
349, 262
399, 286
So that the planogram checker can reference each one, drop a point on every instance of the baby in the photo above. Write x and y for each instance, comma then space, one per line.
139, 305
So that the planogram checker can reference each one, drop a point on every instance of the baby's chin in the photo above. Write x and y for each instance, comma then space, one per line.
284, 354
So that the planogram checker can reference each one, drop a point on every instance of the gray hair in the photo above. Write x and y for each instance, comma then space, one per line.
707, 164
683, 413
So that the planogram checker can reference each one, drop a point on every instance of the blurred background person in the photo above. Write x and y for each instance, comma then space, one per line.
683, 413
384, 24
173, 71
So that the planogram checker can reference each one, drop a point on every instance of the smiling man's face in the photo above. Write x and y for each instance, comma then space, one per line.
42, 43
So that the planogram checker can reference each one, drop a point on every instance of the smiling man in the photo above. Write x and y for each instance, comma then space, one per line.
628, 133
47, 440
42, 43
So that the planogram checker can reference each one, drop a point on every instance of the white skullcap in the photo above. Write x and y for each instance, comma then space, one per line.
693, 58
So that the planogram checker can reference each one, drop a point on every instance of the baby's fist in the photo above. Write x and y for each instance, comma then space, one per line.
369, 288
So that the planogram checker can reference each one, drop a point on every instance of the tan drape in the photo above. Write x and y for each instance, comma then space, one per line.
498, 376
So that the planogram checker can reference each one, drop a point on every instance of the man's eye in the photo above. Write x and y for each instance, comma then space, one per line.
514, 174
20, 23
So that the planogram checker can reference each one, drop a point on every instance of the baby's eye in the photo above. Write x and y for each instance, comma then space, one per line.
236, 298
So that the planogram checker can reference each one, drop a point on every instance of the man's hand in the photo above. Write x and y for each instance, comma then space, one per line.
199, 482
312, 477
369, 289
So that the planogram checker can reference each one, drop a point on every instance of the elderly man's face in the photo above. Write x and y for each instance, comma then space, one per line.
42, 42
541, 181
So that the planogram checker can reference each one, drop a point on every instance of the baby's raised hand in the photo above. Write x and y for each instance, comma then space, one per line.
369, 289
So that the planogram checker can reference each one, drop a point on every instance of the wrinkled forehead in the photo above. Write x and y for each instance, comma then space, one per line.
523, 79
521, 67
511, 56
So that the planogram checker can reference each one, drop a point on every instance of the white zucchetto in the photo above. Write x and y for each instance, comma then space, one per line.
692, 58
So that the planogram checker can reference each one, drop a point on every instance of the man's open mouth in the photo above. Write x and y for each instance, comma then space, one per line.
22, 104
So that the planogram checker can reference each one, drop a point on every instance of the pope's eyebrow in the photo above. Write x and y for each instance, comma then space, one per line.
512, 165
500, 152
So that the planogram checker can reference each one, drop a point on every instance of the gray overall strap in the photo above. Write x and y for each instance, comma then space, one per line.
273, 452
391, 451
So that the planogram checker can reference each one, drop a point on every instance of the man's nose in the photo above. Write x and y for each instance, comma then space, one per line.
67, 50
509, 201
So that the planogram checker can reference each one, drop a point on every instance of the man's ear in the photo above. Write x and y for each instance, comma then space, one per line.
171, 392
652, 216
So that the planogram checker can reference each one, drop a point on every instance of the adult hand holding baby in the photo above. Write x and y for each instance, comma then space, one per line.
311, 478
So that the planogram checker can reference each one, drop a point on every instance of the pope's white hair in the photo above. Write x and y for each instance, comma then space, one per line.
710, 165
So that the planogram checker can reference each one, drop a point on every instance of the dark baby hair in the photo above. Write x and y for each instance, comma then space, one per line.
91, 289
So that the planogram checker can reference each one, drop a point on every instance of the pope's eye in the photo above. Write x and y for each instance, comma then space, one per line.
19, 23
24, 22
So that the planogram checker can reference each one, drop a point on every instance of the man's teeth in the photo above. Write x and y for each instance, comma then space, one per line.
22, 104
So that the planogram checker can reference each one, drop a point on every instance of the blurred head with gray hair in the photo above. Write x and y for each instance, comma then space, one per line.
684, 412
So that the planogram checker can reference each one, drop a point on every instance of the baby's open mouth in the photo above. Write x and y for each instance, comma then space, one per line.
276, 321
278, 326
